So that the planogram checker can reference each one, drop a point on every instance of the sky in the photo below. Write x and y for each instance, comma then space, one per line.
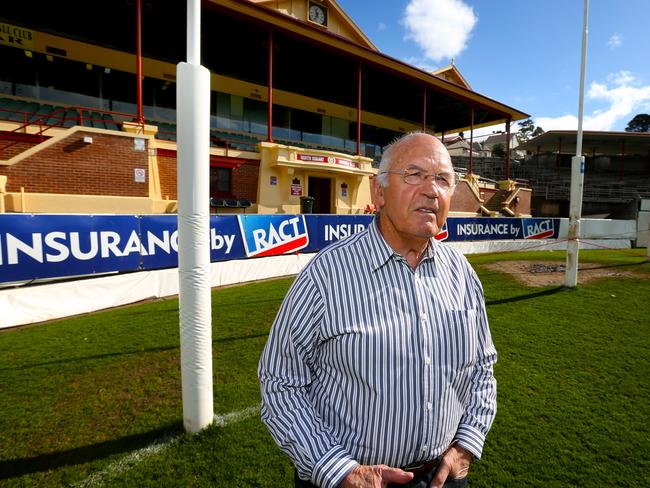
526, 53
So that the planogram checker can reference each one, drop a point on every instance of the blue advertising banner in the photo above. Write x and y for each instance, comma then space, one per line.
497, 229
325, 229
226, 241
269, 235
48, 246
159, 234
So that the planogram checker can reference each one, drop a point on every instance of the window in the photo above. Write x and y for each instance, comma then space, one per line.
220, 181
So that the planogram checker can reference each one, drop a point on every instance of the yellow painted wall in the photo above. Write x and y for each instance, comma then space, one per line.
280, 165
87, 204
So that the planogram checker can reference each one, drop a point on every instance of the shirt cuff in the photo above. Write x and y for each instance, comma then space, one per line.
470, 439
330, 470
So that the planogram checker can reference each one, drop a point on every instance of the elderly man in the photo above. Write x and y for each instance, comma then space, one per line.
378, 370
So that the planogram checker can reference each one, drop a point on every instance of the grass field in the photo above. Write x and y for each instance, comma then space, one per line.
96, 401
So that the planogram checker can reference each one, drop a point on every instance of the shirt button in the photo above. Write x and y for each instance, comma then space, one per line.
427, 360
423, 316
425, 448
429, 406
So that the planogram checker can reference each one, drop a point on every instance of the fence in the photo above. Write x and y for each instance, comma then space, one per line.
283, 244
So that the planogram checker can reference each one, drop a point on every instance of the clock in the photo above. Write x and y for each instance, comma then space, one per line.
317, 13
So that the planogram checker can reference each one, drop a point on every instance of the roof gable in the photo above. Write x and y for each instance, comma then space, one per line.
338, 22
451, 73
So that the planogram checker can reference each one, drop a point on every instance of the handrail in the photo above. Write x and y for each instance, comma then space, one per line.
59, 114
59, 117
225, 142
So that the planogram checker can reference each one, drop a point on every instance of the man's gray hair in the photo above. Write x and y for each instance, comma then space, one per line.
387, 157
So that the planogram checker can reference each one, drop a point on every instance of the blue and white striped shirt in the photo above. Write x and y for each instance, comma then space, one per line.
371, 362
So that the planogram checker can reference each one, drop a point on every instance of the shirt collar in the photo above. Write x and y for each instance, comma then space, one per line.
381, 252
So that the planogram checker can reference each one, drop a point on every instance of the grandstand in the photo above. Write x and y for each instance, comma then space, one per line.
297, 108
617, 172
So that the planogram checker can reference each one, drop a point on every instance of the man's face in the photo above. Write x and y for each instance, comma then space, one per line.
412, 214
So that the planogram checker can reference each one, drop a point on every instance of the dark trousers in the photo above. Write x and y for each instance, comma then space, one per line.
421, 481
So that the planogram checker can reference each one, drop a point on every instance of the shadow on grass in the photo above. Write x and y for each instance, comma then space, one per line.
240, 338
77, 359
19, 467
620, 265
529, 296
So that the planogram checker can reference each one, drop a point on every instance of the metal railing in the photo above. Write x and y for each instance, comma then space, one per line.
58, 118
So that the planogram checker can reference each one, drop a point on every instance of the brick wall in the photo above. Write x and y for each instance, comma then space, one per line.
167, 172
13, 149
524, 205
105, 167
464, 199
245, 180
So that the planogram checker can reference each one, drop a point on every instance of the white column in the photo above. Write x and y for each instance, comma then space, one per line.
193, 183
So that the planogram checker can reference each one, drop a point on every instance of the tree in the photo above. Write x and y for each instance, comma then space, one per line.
640, 123
498, 151
527, 130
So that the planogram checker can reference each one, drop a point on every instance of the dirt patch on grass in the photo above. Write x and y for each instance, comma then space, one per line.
548, 273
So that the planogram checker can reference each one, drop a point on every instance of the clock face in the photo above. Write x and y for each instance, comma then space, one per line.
317, 14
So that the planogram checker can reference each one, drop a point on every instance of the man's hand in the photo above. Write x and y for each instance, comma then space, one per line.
454, 464
375, 476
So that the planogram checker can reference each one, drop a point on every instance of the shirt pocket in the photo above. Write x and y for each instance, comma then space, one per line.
459, 339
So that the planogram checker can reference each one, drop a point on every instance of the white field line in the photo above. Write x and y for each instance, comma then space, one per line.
229, 418
131, 460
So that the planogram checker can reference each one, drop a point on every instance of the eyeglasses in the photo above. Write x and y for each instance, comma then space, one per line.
444, 181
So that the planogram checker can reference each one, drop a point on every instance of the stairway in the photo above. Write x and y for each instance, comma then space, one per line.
495, 204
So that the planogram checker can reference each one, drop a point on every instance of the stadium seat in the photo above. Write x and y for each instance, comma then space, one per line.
41, 114
86, 118
97, 120
5, 103
15, 109
57, 117
31, 108
109, 122
244, 203
166, 131
71, 118
217, 202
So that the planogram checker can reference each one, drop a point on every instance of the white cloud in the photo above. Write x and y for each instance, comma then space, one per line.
615, 41
622, 96
565, 122
440, 27
421, 63
621, 78
381, 27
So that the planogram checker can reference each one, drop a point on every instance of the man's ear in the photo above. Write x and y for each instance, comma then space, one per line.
377, 192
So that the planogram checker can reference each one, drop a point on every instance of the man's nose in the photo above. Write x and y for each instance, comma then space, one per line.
430, 188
